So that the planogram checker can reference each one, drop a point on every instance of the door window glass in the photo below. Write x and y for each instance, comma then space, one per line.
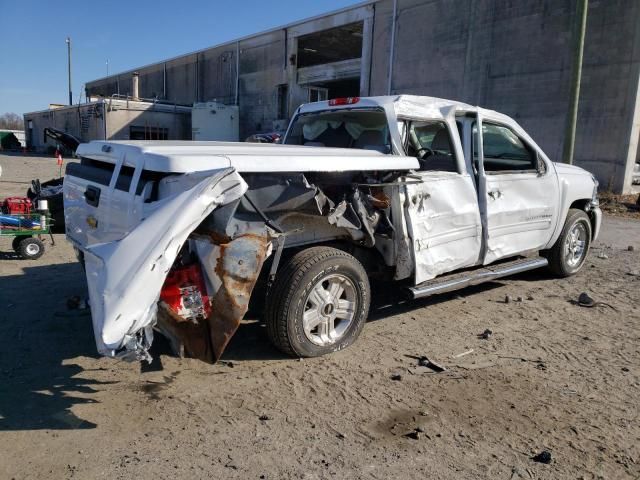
431, 143
503, 150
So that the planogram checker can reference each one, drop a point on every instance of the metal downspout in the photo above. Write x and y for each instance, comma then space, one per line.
164, 81
393, 45
237, 72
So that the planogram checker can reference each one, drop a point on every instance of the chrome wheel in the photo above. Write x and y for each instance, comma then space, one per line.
329, 309
32, 249
575, 244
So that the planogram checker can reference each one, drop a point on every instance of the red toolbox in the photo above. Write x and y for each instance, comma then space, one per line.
16, 206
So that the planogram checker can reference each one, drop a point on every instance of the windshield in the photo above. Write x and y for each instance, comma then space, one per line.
366, 129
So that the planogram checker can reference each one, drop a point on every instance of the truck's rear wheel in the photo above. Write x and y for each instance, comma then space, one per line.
318, 303
569, 252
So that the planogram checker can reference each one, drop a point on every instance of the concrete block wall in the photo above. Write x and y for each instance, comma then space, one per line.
515, 57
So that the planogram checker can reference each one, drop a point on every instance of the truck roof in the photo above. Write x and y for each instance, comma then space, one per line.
404, 106
188, 156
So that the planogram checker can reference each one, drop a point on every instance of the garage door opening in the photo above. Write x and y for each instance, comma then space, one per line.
329, 46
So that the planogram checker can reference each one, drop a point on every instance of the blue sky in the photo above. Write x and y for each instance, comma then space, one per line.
129, 34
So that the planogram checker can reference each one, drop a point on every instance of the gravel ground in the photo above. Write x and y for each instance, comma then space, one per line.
553, 377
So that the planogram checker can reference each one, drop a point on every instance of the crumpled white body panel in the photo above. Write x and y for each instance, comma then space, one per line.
125, 277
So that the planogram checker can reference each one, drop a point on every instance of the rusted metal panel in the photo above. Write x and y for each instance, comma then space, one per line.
237, 268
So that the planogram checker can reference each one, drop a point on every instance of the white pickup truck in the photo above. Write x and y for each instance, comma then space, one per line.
177, 237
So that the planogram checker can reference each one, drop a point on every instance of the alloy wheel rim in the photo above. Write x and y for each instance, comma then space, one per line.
330, 309
576, 244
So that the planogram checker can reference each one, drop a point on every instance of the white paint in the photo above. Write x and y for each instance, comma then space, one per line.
444, 223
125, 277
187, 156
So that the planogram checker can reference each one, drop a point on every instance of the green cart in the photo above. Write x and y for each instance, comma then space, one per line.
27, 230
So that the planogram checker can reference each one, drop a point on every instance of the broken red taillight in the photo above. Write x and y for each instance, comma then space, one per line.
185, 293
334, 102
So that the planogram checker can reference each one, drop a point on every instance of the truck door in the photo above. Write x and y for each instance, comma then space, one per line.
518, 191
441, 205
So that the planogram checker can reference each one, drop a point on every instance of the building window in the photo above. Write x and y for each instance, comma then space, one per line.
148, 133
317, 94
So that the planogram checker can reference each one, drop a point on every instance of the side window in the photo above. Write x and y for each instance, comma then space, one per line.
504, 151
431, 143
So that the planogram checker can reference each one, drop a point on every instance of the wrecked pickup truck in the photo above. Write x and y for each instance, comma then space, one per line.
178, 237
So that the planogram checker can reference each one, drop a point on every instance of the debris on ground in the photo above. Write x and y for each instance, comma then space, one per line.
519, 299
634, 273
396, 377
585, 300
542, 457
602, 255
264, 418
462, 354
424, 361
507, 299
620, 205
630, 248
485, 335
414, 434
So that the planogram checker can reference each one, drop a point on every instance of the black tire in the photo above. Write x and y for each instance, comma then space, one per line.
560, 262
15, 244
31, 248
290, 298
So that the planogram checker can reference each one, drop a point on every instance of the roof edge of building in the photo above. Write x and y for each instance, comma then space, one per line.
240, 39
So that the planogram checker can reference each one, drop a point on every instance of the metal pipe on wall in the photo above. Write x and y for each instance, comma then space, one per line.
393, 45
576, 74
237, 72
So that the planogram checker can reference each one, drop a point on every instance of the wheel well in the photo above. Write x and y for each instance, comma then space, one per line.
583, 204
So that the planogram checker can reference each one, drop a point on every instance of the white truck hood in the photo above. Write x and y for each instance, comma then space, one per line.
188, 156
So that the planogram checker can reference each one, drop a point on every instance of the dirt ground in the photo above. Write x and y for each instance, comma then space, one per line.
553, 376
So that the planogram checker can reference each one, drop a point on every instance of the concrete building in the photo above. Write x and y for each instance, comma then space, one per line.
511, 56
110, 119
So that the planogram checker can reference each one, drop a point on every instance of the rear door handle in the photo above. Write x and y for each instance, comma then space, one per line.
495, 194
92, 195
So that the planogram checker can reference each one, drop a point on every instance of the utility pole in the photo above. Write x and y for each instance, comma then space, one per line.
576, 68
107, 68
69, 68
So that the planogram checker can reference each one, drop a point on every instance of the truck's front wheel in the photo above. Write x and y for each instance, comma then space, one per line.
318, 303
570, 250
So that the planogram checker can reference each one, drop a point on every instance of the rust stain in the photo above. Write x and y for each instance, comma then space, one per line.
379, 199
238, 268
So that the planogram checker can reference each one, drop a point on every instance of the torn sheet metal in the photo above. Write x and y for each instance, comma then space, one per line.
232, 270
125, 277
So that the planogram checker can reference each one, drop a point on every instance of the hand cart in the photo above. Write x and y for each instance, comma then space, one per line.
27, 230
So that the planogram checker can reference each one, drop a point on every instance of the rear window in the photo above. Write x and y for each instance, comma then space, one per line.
100, 172
365, 129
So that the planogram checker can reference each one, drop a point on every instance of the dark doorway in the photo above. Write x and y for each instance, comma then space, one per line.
349, 87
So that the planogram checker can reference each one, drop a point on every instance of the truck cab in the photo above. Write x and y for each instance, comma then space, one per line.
176, 235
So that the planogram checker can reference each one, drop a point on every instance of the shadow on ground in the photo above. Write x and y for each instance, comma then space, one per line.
40, 383
41, 378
